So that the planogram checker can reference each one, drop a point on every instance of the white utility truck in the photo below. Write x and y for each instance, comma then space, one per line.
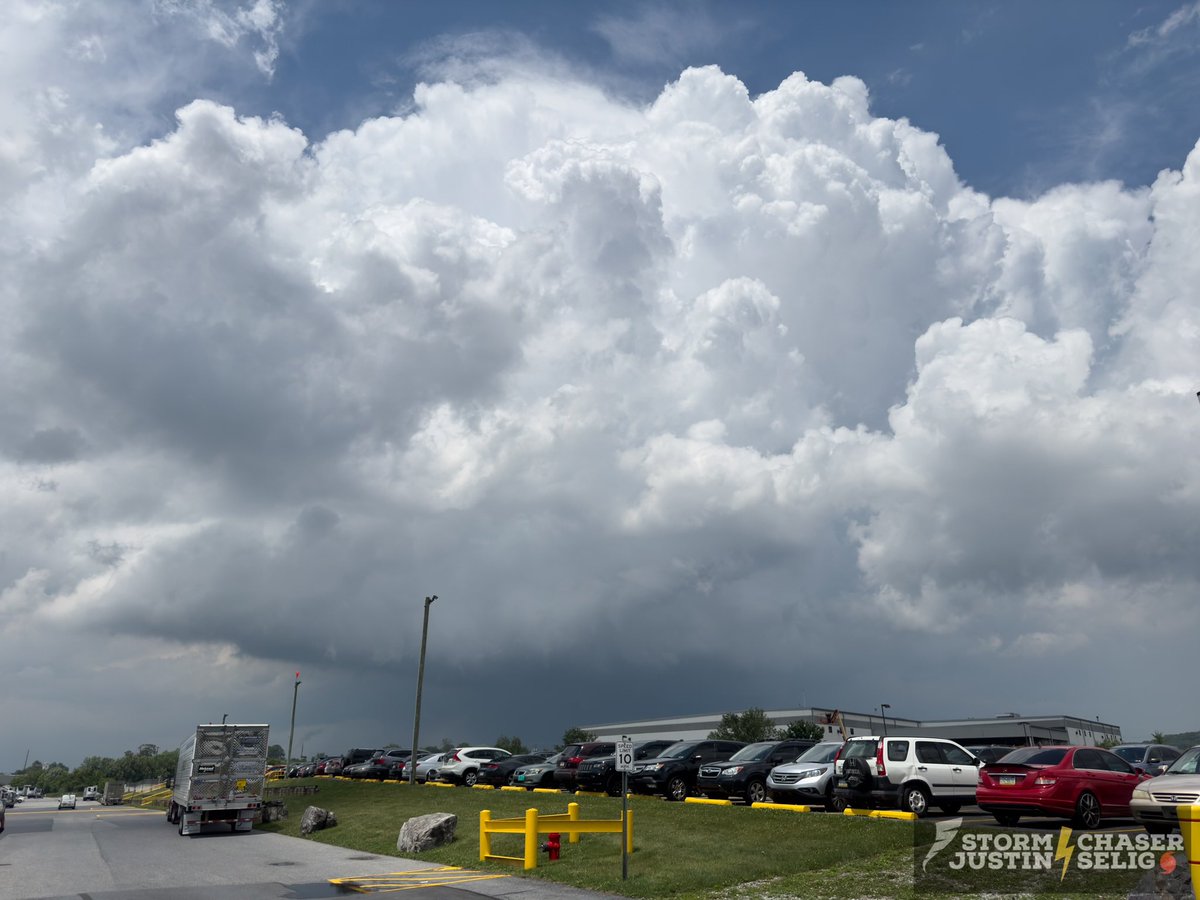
220, 777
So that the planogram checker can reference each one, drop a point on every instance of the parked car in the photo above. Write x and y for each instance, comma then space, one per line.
600, 772
356, 755
673, 774
92, 792
908, 773
497, 772
809, 780
1084, 784
537, 774
1154, 801
989, 753
744, 775
572, 755
427, 767
462, 765
1155, 759
67, 801
380, 767
334, 766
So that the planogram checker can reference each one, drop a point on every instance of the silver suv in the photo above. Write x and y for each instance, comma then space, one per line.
908, 773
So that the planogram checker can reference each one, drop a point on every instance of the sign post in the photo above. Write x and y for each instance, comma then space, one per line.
624, 766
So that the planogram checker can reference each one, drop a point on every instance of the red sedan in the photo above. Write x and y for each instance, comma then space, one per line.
1084, 784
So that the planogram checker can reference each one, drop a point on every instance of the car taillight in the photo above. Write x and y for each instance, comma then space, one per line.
879, 767
1044, 781
575, 760
838, 755
454, 757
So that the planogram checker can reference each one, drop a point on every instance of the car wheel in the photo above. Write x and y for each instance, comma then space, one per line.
470, 777
1007, 819
677, 788
837, 803
913, 799
949, 808
1087, 811
756, 791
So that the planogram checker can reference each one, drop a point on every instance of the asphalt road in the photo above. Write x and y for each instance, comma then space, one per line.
125, 853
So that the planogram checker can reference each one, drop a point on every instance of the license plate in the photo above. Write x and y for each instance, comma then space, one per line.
843, 784
521, 777
1007, 779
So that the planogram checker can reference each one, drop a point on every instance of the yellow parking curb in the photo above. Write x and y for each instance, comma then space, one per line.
786, 807
484, 787
708, 801
880, 814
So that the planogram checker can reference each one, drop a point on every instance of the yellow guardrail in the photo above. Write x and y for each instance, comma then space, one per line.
534, 823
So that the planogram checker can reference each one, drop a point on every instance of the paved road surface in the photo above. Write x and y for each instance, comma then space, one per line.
124, 853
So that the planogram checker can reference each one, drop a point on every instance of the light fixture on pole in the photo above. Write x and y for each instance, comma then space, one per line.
883, 708
287, 768
412, 762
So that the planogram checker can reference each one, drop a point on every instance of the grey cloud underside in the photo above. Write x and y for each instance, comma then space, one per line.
719, 379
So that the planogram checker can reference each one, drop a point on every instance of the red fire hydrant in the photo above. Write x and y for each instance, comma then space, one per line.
553, 844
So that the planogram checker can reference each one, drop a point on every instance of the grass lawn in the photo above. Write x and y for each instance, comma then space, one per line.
680, 850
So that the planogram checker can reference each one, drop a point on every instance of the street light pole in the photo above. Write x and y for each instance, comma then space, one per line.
883, 708
287, 768
412, 762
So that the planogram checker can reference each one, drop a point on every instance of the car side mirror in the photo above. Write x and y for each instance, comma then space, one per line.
979, 761
1138, 770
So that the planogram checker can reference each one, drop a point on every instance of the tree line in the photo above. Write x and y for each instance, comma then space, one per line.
146, 763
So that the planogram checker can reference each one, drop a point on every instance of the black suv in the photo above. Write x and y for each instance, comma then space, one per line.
745, 773
600, 772
674, 773
572, 755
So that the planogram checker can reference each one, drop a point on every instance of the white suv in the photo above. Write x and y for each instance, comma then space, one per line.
907, 772
462, 766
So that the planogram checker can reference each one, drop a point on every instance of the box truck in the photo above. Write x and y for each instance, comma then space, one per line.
219, 778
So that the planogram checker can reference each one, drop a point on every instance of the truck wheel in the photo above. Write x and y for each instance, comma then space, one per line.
756, 791
677, 788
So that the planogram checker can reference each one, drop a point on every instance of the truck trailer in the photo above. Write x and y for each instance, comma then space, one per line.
220, 777
114, 793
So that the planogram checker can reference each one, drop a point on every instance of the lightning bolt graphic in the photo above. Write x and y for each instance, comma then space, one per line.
1064, 851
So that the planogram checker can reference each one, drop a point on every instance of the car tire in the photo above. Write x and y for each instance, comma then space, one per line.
1087, 811
756, 791
613, 788
1007, 819
469, 777
914, 799
677, 788
949, 808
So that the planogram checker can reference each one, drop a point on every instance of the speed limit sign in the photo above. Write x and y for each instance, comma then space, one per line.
624, 756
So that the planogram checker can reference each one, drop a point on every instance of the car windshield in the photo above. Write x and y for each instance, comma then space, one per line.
1130, 754
1035, 756
821, 753
754, 752
680, 750
1187, 764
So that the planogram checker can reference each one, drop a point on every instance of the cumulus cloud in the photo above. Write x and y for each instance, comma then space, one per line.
716, 377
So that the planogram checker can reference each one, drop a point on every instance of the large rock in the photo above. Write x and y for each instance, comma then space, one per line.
315, 818
274, 810
426, 832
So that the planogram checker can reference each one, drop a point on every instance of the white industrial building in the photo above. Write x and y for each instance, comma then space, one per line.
1009, 729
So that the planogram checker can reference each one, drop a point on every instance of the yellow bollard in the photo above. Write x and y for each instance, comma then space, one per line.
485, 839
1189, 827
629, 831
531, 841
573, 815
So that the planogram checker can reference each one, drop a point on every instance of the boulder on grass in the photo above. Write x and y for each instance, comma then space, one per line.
274, 810
426, 832
315, 819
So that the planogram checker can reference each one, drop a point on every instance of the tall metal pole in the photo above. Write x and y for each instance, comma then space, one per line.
883, 708
287, 768
412, 763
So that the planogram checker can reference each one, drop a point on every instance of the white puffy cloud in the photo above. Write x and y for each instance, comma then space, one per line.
720, 378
